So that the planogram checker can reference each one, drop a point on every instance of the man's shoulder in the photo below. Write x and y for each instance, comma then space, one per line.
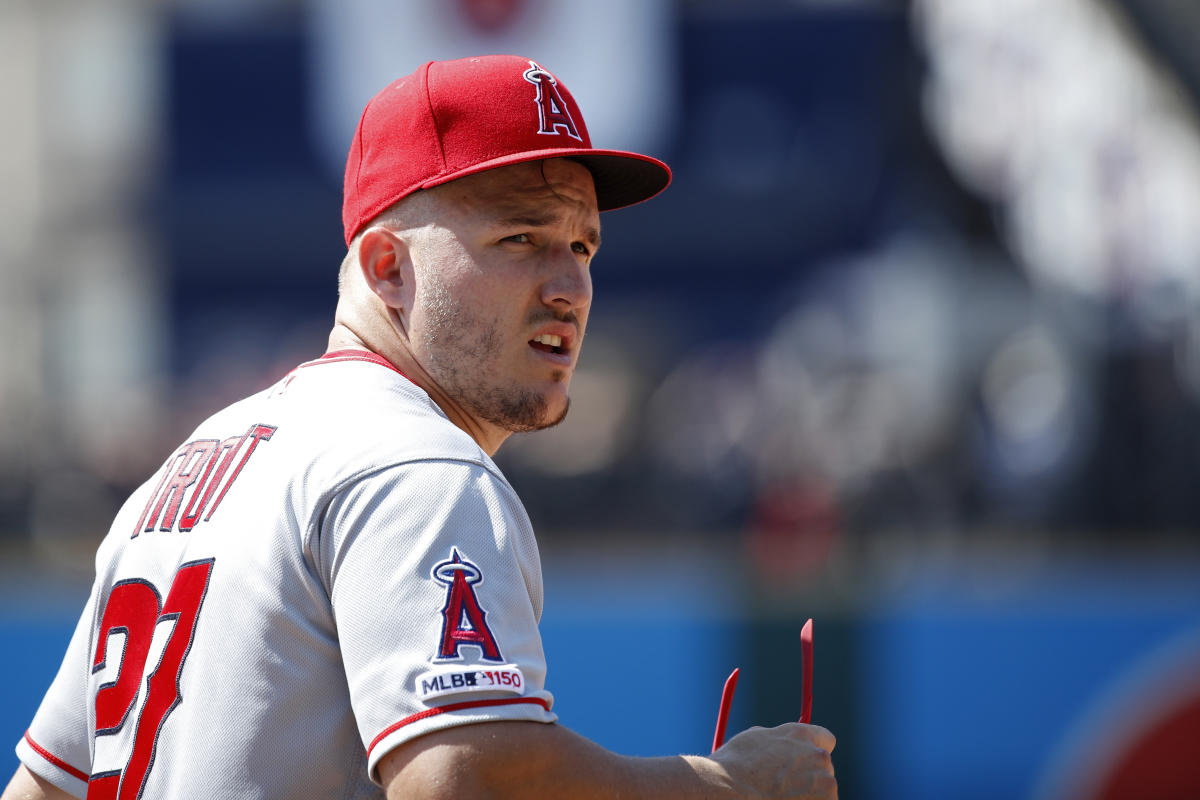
342, 417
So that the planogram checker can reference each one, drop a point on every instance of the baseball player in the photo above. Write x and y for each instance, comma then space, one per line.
329, 590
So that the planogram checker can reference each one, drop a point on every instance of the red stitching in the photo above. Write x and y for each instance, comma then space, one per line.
55, 760
431, 712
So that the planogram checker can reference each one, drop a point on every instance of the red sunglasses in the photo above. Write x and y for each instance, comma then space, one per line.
806, 657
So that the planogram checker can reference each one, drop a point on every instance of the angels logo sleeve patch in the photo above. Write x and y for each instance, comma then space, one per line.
464, 626
464, 622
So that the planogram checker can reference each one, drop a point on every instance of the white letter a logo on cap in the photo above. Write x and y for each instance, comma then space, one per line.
552, 110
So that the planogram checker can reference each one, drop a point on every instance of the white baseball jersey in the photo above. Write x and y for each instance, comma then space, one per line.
325, 570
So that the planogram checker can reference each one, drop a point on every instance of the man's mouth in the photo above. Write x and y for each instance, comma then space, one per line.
547, 343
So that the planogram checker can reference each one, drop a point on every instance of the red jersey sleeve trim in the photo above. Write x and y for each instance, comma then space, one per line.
55, 760
431, 712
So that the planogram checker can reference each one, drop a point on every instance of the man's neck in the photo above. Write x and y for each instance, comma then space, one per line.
487, 436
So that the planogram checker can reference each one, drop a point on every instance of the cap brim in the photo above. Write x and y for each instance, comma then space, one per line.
621, 178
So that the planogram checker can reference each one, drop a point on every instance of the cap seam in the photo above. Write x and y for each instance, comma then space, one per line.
362, 123
437, 127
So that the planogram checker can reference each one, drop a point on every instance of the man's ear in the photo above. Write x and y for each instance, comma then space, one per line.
386, 264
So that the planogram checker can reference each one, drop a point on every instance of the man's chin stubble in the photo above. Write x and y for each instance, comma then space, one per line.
520, 412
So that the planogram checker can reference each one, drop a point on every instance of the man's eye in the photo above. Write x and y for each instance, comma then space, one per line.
519, 238
581, 248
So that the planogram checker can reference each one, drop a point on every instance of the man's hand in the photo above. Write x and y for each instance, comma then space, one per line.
790, 761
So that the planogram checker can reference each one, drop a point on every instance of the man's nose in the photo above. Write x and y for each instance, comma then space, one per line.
569, 284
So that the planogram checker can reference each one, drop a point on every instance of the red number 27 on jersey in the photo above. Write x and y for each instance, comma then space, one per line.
157, 638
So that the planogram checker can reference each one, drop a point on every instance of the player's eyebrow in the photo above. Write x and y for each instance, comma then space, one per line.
528, 220
535, 220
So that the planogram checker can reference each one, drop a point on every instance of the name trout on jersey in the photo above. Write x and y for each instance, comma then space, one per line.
199, 472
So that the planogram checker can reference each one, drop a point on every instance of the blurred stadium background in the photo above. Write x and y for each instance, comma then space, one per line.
911, 346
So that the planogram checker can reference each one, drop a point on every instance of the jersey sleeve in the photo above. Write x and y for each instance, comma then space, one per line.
56, 746
435, 583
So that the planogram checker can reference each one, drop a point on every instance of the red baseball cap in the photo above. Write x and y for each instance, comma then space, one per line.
450, 119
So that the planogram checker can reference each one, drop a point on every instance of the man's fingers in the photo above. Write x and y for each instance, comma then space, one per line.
825, 740
819, 736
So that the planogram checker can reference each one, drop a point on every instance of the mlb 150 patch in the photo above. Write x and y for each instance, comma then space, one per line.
444, 683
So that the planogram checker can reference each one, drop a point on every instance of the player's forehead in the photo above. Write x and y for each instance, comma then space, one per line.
552, 187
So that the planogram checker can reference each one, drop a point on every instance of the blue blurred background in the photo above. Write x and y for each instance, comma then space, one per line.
911, 346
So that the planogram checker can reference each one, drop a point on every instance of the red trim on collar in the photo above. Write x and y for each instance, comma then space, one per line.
354, 355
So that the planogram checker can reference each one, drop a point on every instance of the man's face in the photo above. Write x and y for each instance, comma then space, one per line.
503, 289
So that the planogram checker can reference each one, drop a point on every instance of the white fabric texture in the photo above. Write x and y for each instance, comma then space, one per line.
299, 618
